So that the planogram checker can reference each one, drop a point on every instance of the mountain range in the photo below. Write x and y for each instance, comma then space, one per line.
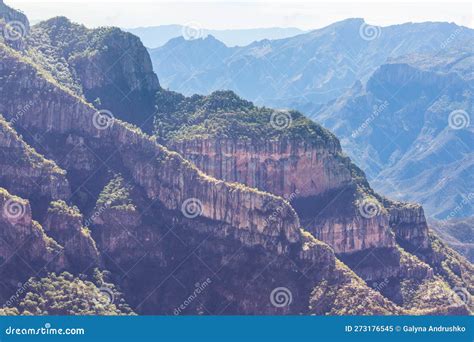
118, 196
156, 36
389, 95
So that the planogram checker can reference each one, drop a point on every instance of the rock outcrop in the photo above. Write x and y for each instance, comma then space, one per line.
118, 78
288, 168
64, 225
25, 172
25, 249
14, 26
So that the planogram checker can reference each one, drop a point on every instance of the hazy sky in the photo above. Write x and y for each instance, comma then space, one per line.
245, 14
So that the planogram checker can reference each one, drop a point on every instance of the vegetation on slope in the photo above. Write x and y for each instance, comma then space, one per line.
65, 294
225, 115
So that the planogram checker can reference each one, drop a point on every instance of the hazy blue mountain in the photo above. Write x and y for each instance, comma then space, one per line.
337, 75
300, 72
458, 233
399, 127
156, 36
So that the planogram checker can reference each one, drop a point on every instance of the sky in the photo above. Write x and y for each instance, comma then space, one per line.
305, 15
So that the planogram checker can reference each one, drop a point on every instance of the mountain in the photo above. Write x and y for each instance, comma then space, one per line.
299, 72
156, 36
411, 144
458, 233
107, 66
199, 208
337, 75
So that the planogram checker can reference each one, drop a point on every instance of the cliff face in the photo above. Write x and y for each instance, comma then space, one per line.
409, 224
109, 67
64, 225
26, 173
24, 246
14, 26
285, 168
330, 195
314, 177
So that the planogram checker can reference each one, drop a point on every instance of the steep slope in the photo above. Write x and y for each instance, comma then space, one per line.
14, 26
458, 233
409, 129
111, 68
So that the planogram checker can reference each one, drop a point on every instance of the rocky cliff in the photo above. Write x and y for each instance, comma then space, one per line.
25, 249
109, 67
14, 26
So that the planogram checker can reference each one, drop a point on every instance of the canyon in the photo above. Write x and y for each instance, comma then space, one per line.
206, 188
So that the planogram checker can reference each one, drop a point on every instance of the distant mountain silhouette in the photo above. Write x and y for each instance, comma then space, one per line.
156, 36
